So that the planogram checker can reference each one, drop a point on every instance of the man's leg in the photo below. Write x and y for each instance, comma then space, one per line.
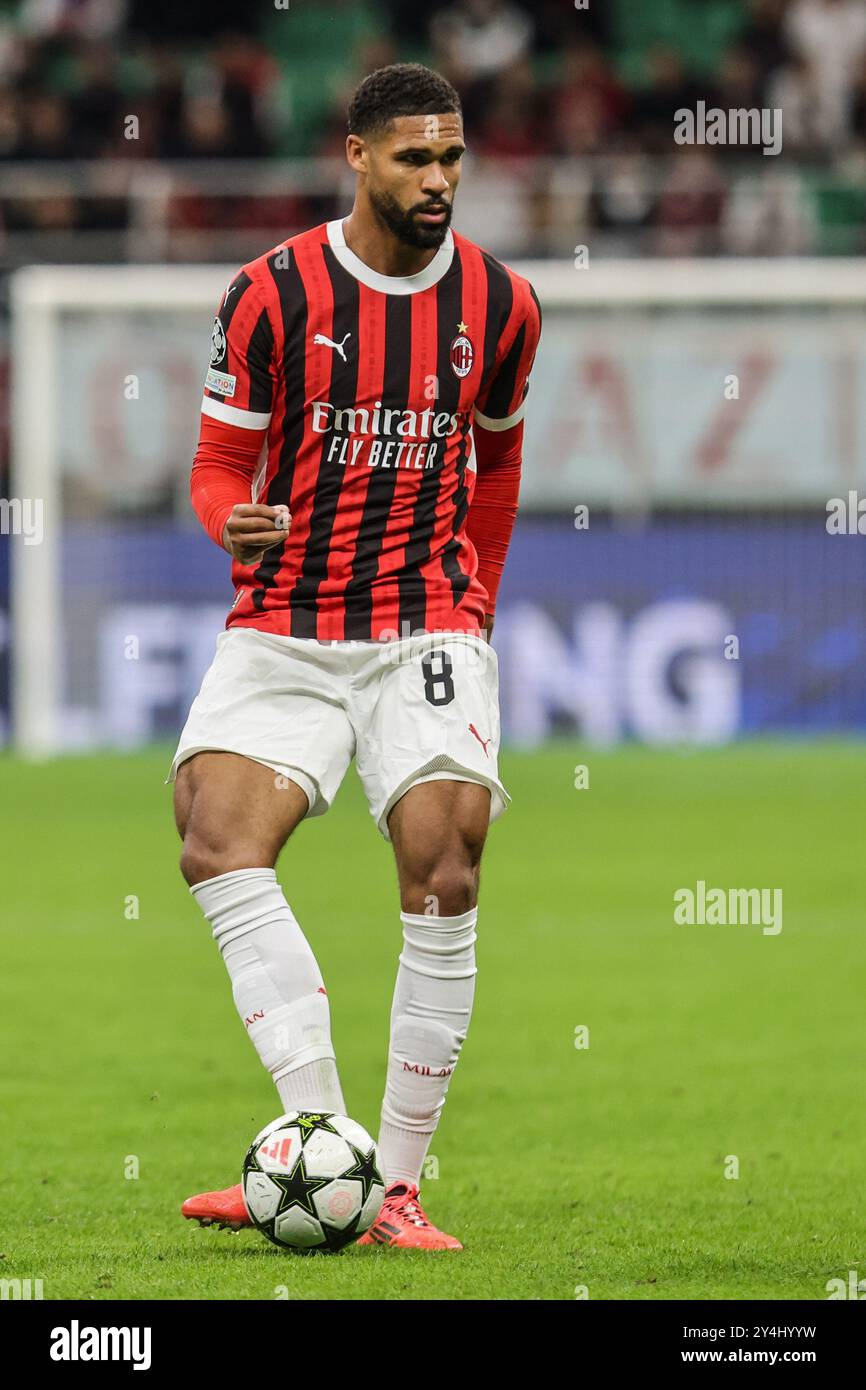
234, 816
438, 831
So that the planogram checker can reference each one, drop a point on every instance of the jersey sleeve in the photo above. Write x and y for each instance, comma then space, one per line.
236, 408
503, 399
493, 508
241, 380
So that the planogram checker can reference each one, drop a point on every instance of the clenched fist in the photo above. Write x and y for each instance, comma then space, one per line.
253, 528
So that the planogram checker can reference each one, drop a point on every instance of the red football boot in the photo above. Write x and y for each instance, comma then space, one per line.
224, 1208
402, 1222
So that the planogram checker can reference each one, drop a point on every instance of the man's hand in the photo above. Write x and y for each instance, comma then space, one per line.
253, 528
488, 625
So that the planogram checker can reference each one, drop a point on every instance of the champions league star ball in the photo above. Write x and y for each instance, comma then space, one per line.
311, 1181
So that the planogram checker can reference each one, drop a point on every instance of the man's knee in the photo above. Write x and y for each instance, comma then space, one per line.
453, 887
205, 856
441, 883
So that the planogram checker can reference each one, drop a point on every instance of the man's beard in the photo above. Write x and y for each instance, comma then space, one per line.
405, 226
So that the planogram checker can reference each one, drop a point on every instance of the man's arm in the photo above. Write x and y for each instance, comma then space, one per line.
498, 433
493, 508
220, 490
236, 412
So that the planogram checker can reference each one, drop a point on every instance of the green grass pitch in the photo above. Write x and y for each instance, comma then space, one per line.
558, 1167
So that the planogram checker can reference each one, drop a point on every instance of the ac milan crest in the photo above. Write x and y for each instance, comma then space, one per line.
462, 355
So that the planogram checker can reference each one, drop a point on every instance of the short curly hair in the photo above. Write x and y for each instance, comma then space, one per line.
401, 89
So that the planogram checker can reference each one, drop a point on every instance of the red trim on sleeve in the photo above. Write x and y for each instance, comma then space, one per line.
492, 511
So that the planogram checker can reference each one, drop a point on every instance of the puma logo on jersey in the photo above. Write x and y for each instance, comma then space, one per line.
483, 741
322, 341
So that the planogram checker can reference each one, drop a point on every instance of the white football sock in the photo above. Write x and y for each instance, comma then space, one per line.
429, 1019
277, 985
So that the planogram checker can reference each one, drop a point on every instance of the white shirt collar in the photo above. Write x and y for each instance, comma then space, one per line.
390, 284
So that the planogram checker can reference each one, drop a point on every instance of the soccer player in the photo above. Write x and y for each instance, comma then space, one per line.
359, 459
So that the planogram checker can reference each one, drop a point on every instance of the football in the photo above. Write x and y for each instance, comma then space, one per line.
312, 1181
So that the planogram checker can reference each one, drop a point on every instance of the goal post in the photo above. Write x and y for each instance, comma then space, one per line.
39, 297
99, 475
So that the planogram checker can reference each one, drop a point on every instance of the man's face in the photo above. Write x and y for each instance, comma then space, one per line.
412, 171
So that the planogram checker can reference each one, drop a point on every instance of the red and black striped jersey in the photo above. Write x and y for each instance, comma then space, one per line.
365, 390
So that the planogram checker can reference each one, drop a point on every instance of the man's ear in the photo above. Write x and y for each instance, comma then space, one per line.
356, 153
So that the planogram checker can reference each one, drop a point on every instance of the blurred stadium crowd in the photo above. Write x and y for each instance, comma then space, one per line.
573, 108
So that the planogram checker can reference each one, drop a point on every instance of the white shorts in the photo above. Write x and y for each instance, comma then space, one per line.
409, 711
